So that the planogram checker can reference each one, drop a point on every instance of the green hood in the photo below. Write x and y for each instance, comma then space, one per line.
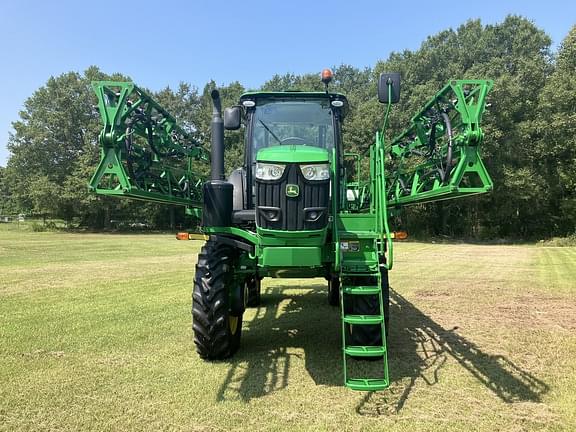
292, 154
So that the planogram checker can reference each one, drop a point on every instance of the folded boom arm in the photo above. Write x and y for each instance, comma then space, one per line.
437, 156
144, 153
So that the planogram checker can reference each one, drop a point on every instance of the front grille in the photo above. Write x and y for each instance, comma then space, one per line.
276, 210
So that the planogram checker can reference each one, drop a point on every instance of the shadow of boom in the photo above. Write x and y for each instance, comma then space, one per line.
420, 347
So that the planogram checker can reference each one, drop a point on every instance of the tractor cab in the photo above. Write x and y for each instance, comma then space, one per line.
291, 138
292, 118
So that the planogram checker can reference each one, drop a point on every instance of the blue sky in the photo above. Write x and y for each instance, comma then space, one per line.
162, 43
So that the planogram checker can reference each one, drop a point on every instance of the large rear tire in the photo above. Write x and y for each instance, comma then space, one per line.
386, 299
334, 291
216, 330
253, 284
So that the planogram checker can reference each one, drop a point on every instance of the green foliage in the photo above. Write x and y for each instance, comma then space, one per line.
37, 227
568, 241
7, 205
554, 135
43, 227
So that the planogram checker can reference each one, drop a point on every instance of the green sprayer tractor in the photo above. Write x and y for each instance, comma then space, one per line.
296, 208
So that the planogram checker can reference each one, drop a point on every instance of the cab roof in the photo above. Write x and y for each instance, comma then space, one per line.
296, 94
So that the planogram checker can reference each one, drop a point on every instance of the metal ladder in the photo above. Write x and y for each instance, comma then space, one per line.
351, 272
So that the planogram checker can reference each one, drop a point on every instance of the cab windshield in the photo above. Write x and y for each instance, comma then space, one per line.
292, 121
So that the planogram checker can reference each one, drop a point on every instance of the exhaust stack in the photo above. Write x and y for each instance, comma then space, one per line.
217, 127
218, 202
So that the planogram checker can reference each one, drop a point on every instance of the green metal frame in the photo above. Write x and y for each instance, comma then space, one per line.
355, 184
379, 204
144, 153
422, 168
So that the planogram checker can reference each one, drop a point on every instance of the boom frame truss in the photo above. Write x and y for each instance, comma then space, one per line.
437, 156
144, 153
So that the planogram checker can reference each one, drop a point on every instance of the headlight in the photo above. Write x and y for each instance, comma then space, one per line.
268, 171
316, 172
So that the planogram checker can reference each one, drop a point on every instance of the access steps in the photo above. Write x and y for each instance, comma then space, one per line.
360, 275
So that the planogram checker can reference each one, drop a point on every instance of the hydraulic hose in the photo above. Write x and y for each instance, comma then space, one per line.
128, 145
449, 153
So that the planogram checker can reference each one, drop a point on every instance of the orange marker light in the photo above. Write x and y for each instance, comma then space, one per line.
182, 236
400, 235
326, 76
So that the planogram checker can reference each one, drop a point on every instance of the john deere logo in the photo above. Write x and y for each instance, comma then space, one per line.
292, 190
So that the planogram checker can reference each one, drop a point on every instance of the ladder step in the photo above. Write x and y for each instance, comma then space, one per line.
359, 266
361, 290
363, 319
371, 384
361, 263
365, 351
360, 273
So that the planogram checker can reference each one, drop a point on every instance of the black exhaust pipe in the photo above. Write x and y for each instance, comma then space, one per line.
217, 126
218, 201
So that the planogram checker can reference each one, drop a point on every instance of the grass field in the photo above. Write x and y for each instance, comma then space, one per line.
95, 335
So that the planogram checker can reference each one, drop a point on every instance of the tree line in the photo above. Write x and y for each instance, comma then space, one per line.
529, 148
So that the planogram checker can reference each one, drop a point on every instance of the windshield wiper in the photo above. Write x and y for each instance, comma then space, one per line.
271, 133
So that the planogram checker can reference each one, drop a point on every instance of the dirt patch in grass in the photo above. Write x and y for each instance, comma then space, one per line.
430, 294
539, 311
536, 311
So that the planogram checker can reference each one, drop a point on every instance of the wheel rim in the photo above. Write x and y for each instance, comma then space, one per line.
246, 294
233, 324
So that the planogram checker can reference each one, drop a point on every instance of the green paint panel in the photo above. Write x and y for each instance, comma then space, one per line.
269, 237
292, 154
291, 256
356, 222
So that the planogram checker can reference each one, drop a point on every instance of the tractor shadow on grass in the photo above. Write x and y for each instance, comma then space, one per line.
419, 348
284, 326
304, 328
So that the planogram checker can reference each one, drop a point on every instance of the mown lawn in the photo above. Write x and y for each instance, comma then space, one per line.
95, 335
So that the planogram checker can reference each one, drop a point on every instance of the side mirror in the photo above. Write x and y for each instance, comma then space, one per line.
385, 80
232, 117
